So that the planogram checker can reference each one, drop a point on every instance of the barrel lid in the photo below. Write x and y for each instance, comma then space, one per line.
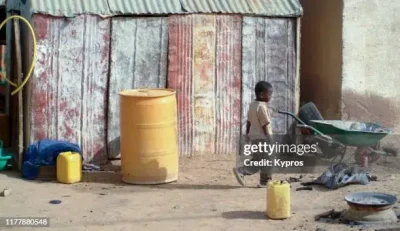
153, 92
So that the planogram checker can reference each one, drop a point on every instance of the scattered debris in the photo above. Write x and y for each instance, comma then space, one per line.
55, 202
304, 188
340, 175
392, 151
373, 178
91, 167
294, 179
320, 229
103, 194
330, 215
6, 192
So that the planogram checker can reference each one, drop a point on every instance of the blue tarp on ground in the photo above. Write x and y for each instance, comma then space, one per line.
44, 153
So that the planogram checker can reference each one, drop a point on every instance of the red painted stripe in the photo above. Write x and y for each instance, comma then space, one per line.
180, 77
228, 90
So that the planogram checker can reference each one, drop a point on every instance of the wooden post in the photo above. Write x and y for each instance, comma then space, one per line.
20, 111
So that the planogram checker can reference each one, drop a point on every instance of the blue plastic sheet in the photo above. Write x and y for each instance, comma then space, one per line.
44, 153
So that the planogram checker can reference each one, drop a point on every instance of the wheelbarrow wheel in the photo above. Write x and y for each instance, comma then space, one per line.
372, 157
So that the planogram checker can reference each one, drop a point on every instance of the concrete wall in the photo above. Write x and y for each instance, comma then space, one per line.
371, 57
321, 55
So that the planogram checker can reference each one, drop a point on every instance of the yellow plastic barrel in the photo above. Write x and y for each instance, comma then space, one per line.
149, 142
278, 200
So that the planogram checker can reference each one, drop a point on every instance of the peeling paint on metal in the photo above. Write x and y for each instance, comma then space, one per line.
206, 72
138, 60
266, 56
204, 34
69, 82
180, 76
228, 85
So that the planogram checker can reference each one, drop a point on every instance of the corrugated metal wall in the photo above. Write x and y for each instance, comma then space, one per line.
84, 62
138, 60
269, 54
70, 82
204, 67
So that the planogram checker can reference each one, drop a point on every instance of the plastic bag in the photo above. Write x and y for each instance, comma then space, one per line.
44, 153
339, 175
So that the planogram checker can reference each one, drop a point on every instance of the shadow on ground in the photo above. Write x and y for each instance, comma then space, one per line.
12, 174
250, 215
194, 186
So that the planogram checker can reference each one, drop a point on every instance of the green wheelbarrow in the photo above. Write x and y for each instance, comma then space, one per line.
337, 135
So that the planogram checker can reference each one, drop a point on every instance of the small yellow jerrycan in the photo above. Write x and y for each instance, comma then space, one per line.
278, 200
69, 167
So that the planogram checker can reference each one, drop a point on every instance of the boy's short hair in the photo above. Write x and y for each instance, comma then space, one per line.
262, 86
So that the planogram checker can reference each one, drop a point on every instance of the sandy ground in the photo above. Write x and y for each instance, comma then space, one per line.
206, 197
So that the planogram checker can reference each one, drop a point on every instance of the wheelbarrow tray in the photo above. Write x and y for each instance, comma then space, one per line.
342, 132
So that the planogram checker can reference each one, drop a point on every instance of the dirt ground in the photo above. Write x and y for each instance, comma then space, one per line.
206, 197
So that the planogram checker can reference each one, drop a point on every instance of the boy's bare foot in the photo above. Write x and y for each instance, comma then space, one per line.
261, 186
239, 176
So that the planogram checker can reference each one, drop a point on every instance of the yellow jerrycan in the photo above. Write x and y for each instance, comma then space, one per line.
278, 200
69, 167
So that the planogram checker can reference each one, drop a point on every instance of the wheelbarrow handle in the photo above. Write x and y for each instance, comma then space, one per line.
292, 115
304, 125
315, 130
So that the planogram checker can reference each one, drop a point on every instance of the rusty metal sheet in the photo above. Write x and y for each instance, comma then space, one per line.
138, 60
266, 56
228, 83
204, 46
205, 69
69, 82
180, 68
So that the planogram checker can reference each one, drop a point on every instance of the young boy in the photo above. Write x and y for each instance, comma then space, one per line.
258, 130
